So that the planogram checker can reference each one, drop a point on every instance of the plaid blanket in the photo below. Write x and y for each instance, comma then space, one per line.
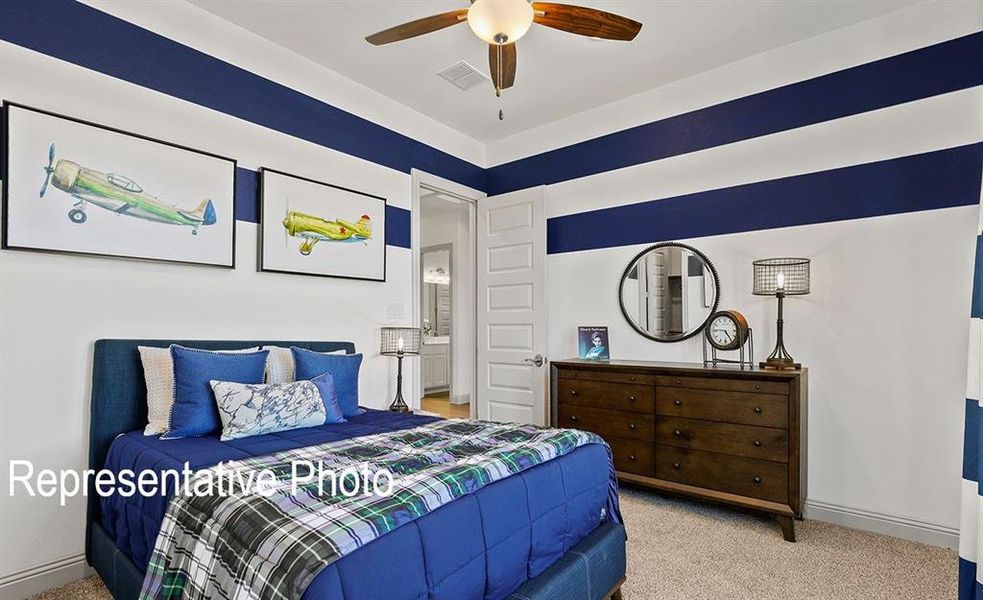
271, 546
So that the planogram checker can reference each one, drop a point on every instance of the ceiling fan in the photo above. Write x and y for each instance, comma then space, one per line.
501, 23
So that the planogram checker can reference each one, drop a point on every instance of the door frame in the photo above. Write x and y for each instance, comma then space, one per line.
422, 180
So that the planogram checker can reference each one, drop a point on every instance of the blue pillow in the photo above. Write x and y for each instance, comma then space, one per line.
194, 412
343, 368
332, 408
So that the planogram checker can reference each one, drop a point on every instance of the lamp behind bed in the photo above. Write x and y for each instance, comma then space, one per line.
399, 342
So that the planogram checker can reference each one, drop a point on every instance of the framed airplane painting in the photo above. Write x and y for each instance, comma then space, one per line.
313, 228
78, 187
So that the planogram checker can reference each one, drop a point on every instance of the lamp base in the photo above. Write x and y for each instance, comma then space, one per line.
780, 364
398, 406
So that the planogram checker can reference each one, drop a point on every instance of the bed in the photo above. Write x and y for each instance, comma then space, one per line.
539, 534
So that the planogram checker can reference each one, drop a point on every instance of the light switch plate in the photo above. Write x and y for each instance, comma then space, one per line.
397, 310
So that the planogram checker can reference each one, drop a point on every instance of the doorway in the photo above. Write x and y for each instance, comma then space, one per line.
445, 305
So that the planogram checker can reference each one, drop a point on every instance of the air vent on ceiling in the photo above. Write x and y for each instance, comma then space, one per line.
463, 75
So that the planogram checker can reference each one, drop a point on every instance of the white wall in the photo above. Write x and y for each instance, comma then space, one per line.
53, 307
883, 332
443, 222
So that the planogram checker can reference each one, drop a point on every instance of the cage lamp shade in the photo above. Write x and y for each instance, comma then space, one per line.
400, 340
789, 276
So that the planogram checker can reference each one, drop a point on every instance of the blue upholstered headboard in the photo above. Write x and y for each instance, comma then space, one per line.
119, 393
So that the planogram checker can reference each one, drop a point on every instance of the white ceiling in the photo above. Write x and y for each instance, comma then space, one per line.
558, 74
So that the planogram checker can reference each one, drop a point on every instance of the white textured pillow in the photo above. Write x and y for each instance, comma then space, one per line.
158, 372
254, 409
280, 366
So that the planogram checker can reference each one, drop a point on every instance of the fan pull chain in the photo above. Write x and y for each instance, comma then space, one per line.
498, 90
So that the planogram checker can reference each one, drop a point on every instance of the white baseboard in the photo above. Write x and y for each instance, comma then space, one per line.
892, 525
35, 580
461, 399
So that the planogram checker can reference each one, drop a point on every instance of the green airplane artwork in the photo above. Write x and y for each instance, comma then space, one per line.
119, 194
312, 229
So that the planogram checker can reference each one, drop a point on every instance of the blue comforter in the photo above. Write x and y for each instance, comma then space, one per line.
480, 546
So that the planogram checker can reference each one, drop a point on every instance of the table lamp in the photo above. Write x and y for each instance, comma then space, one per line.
781, 277
400, 342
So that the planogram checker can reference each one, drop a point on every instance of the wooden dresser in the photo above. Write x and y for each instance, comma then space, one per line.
718, 434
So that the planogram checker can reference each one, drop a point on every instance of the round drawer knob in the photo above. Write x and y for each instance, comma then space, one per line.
678, 381
675, 465
573, 417
757, 443
757, 479
631, 457
632, 379
678, 402
631, 398
632, 426
677, 433
757, 387
757, 409
573, 392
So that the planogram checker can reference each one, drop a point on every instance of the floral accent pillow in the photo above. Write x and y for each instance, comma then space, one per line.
248, 409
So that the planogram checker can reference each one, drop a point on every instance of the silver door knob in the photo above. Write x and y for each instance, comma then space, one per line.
537, 360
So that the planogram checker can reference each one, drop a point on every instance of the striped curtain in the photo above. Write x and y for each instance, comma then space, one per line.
971, 525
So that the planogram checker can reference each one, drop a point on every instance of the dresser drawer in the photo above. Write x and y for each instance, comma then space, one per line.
764, 410
608, 424
754, 386
595, 374
633, 457
606, 394
732, 474
765, 443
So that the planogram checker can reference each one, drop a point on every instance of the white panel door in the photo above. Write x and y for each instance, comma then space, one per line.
511, 299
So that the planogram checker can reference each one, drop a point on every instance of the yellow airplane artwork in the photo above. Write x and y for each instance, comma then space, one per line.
312, 229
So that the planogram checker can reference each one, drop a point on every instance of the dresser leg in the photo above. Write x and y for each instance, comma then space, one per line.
788, 527
616, 595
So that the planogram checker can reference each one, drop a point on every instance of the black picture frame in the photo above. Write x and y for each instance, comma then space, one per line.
5, 108
627, 272
262, 220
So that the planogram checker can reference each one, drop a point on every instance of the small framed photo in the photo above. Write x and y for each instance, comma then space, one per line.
312, 228
593, 342
81, 188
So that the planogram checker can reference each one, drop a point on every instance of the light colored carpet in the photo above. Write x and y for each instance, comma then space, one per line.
681, 550
90, 588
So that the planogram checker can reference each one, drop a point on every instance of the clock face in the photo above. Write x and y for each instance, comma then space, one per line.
723, 331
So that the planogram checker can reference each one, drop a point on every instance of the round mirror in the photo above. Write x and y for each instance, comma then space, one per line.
669, 291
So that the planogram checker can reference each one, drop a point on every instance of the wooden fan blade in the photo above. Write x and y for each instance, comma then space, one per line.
418, 27
503, 77
585, 21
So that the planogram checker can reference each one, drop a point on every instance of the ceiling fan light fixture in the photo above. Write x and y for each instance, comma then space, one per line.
500, 21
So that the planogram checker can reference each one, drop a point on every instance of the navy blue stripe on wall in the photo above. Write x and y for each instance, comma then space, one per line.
940, 179
949, 66
976, 309
82, 35
247, 209
971, 441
